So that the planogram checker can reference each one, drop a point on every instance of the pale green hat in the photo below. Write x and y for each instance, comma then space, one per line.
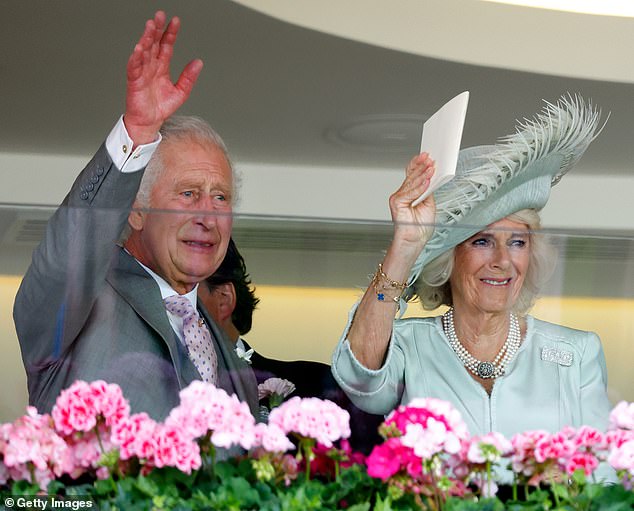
494, 181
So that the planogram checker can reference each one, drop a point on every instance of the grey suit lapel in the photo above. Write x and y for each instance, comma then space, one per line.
142, 293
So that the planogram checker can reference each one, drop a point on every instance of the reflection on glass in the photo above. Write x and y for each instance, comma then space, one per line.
308, 273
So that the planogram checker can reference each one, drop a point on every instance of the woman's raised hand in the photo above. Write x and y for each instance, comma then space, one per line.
413, 225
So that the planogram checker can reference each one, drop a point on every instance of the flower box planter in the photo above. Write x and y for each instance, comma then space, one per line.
90, 452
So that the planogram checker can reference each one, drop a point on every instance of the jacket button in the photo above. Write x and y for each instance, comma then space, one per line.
84, 195
89, 187
100, 171
94, 179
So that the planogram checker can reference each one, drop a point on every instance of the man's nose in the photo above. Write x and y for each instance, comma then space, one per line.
206, 214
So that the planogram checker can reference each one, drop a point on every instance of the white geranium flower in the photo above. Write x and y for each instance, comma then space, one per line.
275, 386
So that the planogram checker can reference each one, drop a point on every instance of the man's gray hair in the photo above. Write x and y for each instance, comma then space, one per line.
181, 128
433, 287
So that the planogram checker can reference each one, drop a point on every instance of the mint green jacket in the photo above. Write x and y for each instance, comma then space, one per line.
557, 378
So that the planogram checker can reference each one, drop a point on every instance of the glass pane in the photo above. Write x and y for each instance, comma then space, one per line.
308, 273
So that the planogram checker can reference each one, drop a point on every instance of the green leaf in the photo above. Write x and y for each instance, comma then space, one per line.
302, 497
225, 469
383, 505
147, 486
593, 490
487, 504
232, 493
579, 477
613, 497
56, 488
560, 490
24, 487
103, 487
79, 489
363, 506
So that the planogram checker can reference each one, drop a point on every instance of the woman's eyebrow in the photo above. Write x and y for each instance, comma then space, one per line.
492, 232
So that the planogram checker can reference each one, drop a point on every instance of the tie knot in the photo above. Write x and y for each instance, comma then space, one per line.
180, 306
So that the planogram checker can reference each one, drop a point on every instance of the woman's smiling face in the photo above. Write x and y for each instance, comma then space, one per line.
490, 267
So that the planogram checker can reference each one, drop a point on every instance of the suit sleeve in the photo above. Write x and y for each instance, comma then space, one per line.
69, 266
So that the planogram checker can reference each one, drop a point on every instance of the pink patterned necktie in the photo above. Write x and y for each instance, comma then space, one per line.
197, 337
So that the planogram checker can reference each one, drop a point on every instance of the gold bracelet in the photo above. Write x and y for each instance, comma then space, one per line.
382, 284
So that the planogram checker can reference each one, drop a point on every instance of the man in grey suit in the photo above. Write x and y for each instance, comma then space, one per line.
89, 308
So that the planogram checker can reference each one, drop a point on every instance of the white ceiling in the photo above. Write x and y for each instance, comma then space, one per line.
479, 32
280, 93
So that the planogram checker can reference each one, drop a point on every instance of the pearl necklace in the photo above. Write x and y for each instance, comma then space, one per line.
484, 369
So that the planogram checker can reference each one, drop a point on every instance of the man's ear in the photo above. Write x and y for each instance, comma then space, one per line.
225, 300
136, 218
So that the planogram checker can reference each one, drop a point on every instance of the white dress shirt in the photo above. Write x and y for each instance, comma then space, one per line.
166, 290
119, 146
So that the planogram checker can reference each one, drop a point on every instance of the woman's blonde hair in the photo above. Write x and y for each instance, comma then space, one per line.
433, 288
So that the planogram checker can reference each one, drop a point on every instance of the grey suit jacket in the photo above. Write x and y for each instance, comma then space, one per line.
87, 310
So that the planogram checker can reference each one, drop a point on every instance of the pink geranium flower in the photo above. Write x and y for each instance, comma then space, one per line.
429, 426
134, 436
523, 458
31, 447
319, 419
430, 439
622, 460
86, 452
622, 416
427, 450
420, 410
206, 409
481, 453
175, 448
540, 456
555, 447
620, 441
585, 461
79, 407
488, 448
271, 438
617, 437
590, 448
387, 459
423, 442
587, 437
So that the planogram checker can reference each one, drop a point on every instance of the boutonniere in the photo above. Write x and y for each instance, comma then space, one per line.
244, 355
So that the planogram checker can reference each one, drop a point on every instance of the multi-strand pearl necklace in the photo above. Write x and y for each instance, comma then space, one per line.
484, 369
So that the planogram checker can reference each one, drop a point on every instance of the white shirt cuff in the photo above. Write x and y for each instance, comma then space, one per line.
119, 146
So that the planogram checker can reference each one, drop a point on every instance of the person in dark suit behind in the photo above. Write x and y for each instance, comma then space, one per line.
89, 309
230, 299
